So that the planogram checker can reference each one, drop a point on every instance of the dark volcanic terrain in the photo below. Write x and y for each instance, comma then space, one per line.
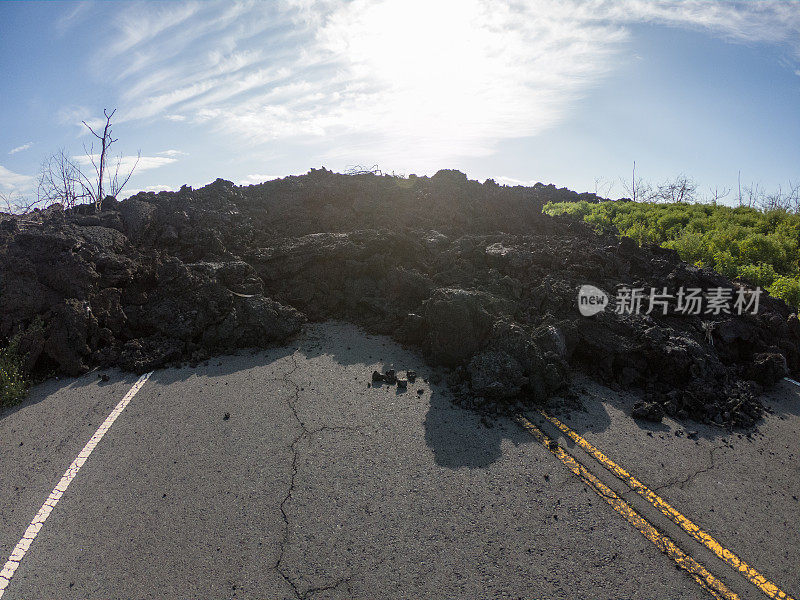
472, 274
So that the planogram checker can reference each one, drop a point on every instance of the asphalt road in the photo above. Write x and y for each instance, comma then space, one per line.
318, 486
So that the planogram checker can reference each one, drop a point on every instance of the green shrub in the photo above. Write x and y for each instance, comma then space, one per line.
578, 210
762, 274
761, 247
724, 262
758, 248
692, 247
13, 385
787, 289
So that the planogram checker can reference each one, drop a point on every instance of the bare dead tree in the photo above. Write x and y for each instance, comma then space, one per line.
361, 170
773, 201
14, 203
63, 181
681, 189
786, 199
106, 140
740, 187
780, 199
6, 203
753, 195
716, 195
117, 181
602, 187
637, 189
793, 196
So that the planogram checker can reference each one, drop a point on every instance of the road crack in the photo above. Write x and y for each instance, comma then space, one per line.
682, 482
292, 403
325, 588
304, 433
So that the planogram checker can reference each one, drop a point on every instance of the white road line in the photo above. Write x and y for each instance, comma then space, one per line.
33, 529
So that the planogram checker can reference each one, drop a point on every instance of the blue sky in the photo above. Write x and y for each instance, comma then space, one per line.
564, 92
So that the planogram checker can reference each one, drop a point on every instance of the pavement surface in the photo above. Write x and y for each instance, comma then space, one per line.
283, 474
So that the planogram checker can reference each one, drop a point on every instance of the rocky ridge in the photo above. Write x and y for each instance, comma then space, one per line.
472, 274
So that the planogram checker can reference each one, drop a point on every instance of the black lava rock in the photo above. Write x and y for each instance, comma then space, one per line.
648, 411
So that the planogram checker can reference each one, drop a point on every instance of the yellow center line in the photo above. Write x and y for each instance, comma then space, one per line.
700, 574
752, 575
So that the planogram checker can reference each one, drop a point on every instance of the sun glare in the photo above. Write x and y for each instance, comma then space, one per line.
434, 64
452, 77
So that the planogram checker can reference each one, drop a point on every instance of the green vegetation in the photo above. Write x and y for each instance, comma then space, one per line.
760, 247
13, 385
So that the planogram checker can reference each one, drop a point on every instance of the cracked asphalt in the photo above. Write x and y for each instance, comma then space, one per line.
320, 486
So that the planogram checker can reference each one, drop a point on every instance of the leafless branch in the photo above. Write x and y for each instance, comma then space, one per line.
63, 181
359, 170
681, 189
16, 204
716, 195
115, 187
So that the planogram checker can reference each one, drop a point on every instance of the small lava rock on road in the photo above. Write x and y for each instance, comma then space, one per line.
648, 411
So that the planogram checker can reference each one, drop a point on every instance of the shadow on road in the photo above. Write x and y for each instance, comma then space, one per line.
591, 411
57, 385
458, 438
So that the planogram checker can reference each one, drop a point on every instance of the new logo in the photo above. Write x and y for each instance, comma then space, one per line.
591, 300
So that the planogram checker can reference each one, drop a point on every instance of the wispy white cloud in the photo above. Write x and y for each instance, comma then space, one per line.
256, 178
76, 14
21, 148
401, 82
769, 21
127, 163
143, 22
76, 115
15, 182
172, 153
73, 114
155, 105
150, 188
503, 180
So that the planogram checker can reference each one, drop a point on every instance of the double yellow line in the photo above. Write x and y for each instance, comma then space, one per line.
710, 583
